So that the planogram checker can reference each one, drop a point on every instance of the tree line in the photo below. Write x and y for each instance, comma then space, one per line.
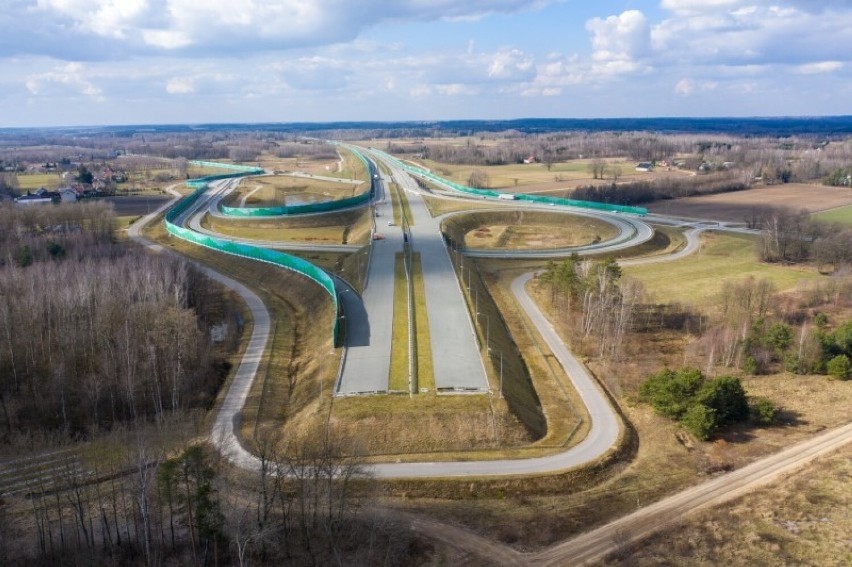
595, 297
93, 333
639, 192
161, 500
795, 237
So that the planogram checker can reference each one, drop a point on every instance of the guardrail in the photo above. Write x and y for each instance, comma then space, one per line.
266, 255
307, 208
606, 207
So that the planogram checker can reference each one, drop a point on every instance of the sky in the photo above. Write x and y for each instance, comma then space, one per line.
100, 62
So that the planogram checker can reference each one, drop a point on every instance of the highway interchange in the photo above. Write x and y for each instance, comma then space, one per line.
605, 427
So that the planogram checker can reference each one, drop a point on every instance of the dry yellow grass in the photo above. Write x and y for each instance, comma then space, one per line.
802, 520
280, 190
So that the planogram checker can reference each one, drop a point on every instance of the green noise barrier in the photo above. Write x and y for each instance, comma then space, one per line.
235, 171
322, 207
420, 172
266, 255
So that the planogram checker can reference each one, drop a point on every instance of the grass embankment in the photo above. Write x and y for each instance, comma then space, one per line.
299, 362
521, 229
279, 190
348, 227
666, 240
722, 257
567, 419
353, 167
400, 355
438, 206
842, 215
518, 391
425, 378
400, 205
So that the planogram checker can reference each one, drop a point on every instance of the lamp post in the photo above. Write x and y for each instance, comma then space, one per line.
487, 332
501, 374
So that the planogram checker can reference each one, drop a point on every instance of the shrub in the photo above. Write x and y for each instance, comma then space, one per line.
700, 405
763, 412
727, 397
671, 392
701, 421
839, 367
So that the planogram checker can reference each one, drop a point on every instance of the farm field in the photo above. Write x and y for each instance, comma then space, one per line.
739, 206
537, 178
34, 181
697, 279
842, 215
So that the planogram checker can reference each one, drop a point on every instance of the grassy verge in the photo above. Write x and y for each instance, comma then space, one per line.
698, 279
518, 391
394, 194
286, 395
666, 240
406, 209
425, 371
399, 352
398, 380
567, 419
439, 207
353, 167
349, 227
843, 215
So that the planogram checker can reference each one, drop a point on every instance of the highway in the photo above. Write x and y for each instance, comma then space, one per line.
604, 427
369, 330
456, 359
589, 547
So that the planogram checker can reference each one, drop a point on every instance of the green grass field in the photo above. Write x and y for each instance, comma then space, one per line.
843, 215
33, 181
698, 279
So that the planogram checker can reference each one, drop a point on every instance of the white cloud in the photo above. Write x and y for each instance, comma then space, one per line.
180, 85
687, 87
698, 6
71, 77
620, 38
508, 64
819, 67
219, 26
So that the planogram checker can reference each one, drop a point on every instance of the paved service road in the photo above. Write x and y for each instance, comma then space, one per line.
223, 429
456, 360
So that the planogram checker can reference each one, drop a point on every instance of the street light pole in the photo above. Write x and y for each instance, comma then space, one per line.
487, 331
501, 374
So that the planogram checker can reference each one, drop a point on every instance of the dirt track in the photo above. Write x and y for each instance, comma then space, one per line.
597, 544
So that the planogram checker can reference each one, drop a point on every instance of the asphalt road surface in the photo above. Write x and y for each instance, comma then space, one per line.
369, 327
456, 359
